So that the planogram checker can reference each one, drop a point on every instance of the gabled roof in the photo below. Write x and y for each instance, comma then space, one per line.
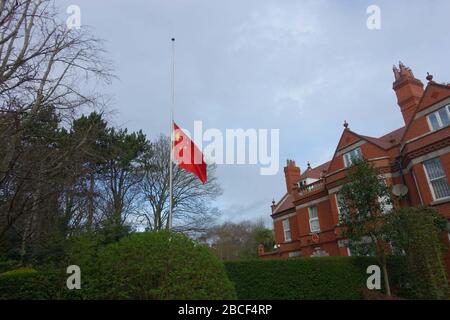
440, 92
286, 203
427, 100
385, 142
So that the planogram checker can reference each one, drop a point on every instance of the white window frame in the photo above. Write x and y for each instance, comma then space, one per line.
349, 156
438, 117
286, 230
349, 252
316, 218
430, 185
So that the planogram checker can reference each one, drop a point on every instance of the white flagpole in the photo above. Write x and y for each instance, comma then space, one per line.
170, 217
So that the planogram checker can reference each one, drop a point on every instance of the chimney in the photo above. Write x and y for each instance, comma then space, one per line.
408, 89
292, 175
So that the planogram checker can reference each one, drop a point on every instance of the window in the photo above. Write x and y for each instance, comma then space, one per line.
286, 230
349, 252
439, 119
318, 252
342, 211
295, 254
351, 155
437, 179
314, 225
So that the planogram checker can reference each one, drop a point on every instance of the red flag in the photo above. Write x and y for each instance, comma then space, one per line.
187, 154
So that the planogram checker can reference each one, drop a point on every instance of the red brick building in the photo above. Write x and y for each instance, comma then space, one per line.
416, 155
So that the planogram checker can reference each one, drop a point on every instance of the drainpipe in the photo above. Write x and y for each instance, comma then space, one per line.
399, 162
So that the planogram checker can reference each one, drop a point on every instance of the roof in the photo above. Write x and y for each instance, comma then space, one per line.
285, 203
385, 142
314, 173
388, 140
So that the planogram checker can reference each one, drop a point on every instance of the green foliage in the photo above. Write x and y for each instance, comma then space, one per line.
300, 278
22, 270
365, 199
264, 236
8, 265
155, 265
26, 284
31, 284
416, 232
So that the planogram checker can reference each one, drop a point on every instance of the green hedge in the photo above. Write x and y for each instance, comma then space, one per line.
7, 265
27, 284
300, 278
153, 265
157, 265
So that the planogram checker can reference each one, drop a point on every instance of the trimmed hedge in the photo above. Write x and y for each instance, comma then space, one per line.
152, 265
300, 279
27, 284
157, 265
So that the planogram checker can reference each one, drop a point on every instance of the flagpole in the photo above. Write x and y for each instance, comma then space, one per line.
170, 217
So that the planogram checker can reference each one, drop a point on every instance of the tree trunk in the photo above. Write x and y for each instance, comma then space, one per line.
386, 279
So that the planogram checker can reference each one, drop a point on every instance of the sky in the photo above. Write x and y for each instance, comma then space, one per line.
301, 66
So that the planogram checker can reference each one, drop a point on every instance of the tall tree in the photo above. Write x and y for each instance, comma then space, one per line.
122, 173
365, 198
41, 64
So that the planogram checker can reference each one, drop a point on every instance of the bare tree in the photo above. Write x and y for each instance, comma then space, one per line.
41, 62
45, 72
231, 241
192, 209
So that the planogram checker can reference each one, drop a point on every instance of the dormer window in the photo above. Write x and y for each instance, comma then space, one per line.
439, 119
352, 155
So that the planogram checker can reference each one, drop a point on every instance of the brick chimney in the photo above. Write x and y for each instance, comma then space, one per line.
408, 89
292, 174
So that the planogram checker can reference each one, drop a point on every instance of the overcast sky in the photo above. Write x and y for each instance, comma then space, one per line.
300, 66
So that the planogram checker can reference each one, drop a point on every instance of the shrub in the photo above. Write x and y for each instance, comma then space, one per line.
156, 265
300, 279
7, 265
417, 233
26, 284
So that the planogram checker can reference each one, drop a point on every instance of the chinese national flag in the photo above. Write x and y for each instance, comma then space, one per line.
188, 156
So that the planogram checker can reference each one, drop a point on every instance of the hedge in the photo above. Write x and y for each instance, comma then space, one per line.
157, 265
301, 278
151, 265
